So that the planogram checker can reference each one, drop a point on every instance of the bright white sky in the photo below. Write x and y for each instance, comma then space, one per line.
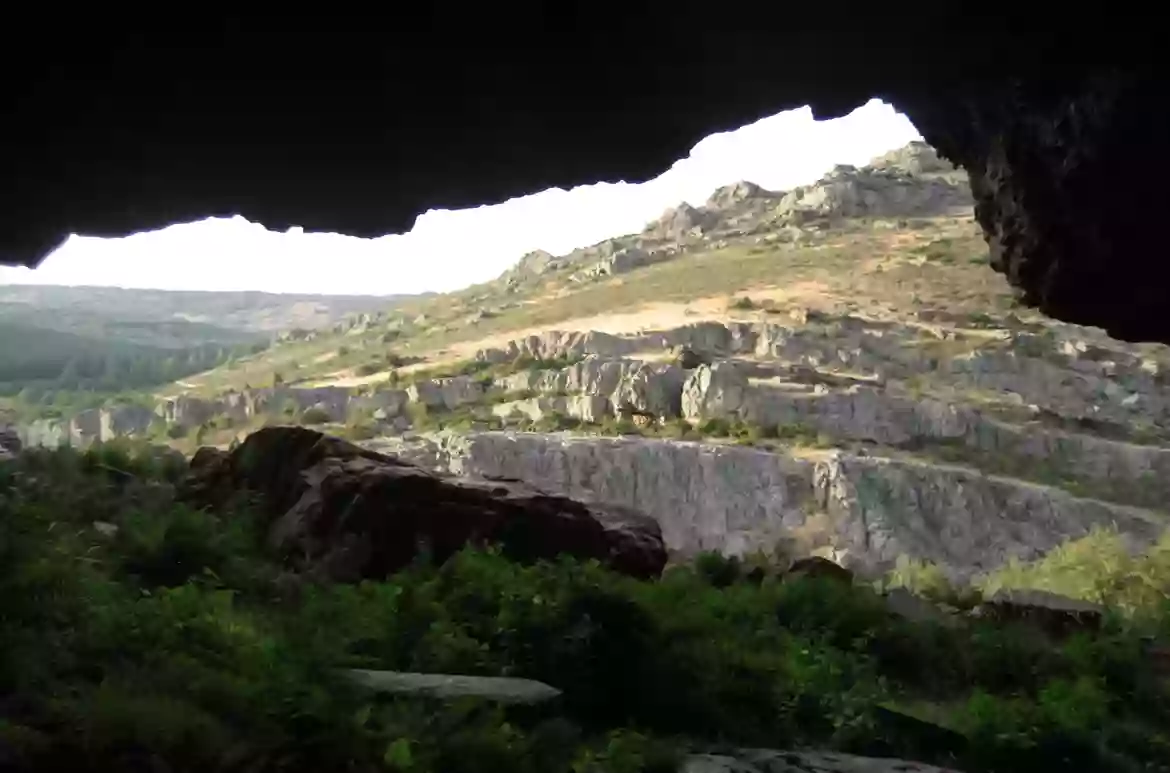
448, 250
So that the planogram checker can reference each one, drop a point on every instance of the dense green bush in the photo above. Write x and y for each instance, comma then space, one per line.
176, 639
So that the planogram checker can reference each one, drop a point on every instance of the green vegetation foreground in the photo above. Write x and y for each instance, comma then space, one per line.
174, 642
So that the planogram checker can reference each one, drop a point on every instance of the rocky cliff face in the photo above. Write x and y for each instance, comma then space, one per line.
862, 510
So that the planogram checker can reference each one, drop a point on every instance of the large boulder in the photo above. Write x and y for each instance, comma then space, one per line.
652, 390
346, 513
446, 393
1055, 614
720, 389
680, 223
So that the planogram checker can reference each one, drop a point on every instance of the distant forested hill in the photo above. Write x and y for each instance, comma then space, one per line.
98, 339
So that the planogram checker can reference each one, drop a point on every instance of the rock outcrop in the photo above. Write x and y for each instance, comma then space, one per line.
10, 444
586, 408
123, 421
446, 393
679, 224
736, 195
897, 185
1061, 400
916, 158
608, 387
187, 411
848, 192
346, 513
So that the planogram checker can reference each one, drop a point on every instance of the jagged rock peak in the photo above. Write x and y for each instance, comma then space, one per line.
536, 262
678, 222
736, 193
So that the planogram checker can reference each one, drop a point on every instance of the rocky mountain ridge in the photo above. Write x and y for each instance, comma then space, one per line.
911, 181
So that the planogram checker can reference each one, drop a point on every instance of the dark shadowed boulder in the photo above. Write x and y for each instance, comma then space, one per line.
815, 566
689, 359
345, 513
1055, 614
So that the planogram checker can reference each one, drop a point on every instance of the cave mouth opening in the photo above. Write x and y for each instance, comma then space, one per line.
446, 249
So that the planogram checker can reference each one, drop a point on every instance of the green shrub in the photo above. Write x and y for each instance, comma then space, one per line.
176, 640
1099, 568
925, 579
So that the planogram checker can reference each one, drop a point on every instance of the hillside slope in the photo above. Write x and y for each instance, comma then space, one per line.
824, 370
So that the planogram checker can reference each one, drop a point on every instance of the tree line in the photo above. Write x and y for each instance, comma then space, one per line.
111, 370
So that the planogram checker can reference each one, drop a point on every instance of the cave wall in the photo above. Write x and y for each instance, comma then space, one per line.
1069, 179
335, 123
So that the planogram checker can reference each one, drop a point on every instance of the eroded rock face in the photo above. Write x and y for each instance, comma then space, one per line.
123, 421
48, 433
916, 158
1066, 400
384, 404
10, 443
735, 500
680, 223
447, 393
587, 408
346, 513
187, 411
848, 192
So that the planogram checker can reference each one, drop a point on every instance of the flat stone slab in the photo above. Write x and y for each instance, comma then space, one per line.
769, 761
495, 688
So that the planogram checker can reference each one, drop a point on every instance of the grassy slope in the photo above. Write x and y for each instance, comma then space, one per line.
938, 263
